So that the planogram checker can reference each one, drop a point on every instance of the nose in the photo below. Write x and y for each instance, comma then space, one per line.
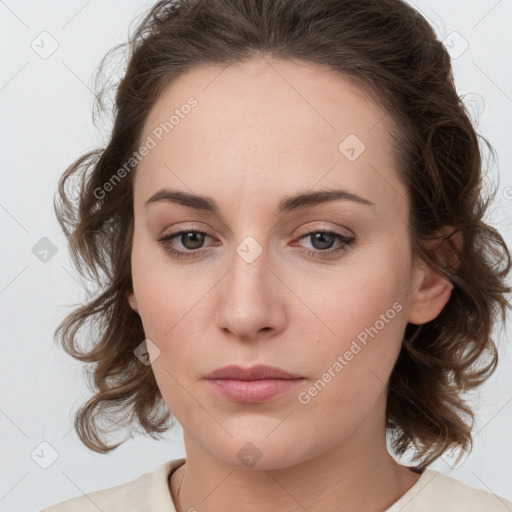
250, 307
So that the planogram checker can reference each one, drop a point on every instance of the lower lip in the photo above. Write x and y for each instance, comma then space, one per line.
253, 391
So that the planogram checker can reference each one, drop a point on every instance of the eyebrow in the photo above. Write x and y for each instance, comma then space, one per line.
298, 201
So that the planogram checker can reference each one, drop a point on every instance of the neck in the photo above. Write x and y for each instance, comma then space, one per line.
358, 474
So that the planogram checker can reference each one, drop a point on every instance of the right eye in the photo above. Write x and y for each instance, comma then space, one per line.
191, 240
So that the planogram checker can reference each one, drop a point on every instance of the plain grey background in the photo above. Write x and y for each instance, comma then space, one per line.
46, 103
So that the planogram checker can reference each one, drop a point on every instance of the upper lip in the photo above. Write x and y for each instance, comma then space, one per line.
257, 372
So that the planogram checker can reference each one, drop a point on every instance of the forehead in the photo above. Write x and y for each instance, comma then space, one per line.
271, 126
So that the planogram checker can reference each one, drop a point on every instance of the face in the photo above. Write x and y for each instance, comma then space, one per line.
322, 289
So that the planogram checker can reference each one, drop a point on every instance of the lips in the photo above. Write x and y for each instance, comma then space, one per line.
258, 372
257, 384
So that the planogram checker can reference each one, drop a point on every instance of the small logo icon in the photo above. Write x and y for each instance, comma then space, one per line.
455, 455
249, 455
45, 45
147, 352
249, 249
351, 147
455, 44
44, 250
44, 455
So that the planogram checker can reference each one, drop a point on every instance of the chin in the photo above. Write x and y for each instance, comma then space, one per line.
262, 452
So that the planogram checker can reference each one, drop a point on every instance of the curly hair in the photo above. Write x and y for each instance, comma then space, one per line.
390, 51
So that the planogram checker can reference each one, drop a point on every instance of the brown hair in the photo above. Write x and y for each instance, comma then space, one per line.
389, 50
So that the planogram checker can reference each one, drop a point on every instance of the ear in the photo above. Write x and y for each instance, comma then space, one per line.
431, 291
133, 302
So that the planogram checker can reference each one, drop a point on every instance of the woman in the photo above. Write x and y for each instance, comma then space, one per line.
288, 224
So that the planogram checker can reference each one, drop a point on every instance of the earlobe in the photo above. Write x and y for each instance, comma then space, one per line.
133, 302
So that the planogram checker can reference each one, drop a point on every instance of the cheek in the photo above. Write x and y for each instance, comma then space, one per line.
366, 315
363, 301
351, 369
164, 295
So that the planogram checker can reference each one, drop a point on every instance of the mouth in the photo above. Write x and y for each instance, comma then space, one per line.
252, 391
256, 384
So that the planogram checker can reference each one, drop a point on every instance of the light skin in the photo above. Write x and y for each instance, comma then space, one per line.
264, 130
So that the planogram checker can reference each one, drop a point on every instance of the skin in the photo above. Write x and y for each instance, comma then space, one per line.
262, 130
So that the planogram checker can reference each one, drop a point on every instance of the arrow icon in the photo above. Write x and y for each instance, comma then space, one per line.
351, 147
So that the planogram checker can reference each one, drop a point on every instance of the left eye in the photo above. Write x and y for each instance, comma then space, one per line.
193, 240
324, 240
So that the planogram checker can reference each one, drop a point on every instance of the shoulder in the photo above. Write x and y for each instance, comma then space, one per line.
436, 491
150, 488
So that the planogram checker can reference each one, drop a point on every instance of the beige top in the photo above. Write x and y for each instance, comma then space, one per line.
433, 492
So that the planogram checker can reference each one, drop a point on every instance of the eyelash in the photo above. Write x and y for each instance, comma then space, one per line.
192, 254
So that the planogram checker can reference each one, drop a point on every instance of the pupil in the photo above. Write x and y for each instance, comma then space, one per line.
321, 238
187, 237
